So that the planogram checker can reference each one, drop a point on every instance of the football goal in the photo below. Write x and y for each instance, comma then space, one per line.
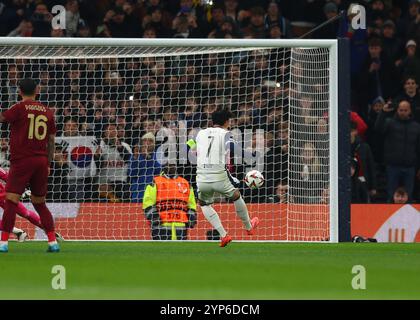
125, 108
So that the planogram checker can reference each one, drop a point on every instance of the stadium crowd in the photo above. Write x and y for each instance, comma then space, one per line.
123, 107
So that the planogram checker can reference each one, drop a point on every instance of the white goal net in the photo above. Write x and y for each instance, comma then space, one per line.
124, 109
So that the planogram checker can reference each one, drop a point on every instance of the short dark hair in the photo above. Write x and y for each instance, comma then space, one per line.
257, 11
27, 86
220, 116
375, 42
401, 191
409, 77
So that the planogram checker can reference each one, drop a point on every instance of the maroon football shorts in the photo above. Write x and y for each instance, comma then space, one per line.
31, 171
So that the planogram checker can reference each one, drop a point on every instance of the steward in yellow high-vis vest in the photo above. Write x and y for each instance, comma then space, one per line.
169, 204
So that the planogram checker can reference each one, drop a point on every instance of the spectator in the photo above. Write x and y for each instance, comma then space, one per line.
11, 15
309, 115
232, 9
228, 28
330, 31
154, 20
167, 17
274, 118
103, 31
151, 126
377, 17
143, 167
83, 30
244, 118
409, 66
24, 29
260, 108
58, 184
321, 139
120, 24
10, 87
190, 7
57, 33
377, 77
169, 205
131, 19
45, 88
360, 124
154, 107
325, 196
411, 94
392, 46
276, 155
190, 114
274, 18
366, 165
72, 17
41, 21
281, 195
307, 173
400, 196
216, 20
414, 27
256, 27
373, 137
113, 157
185, 26
409, 19
401, 147
275, 32
359, 191
70, 127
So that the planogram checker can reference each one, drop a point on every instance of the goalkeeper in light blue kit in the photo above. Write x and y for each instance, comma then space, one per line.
213, 147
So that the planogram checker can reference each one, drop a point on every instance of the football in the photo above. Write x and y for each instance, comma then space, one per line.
254, 179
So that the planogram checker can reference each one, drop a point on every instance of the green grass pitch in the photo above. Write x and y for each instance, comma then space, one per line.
106, 270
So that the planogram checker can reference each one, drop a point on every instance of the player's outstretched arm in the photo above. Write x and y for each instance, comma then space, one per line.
2, 118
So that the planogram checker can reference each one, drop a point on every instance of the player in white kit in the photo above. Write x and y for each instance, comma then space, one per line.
213, 153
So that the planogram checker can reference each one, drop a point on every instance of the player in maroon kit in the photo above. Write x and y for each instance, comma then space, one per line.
32, 143
29, 215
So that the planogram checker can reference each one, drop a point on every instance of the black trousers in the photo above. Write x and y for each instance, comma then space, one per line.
165, 233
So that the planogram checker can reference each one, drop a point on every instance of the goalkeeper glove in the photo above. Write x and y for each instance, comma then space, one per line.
26, 195
152, 215
235, 181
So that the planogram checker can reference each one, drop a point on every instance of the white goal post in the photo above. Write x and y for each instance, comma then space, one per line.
155, 94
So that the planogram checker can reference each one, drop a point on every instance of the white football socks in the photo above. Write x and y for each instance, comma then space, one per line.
212, 217
242, 212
